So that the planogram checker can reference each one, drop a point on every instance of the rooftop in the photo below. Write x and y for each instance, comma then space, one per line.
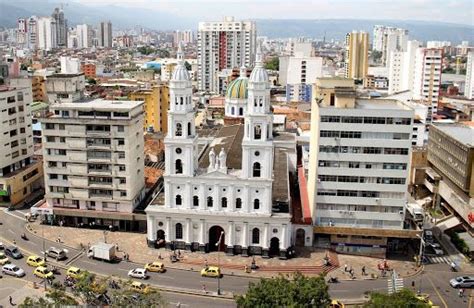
380, 104
100, 104
460, 132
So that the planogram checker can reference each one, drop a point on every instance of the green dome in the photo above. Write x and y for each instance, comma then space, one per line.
237, 89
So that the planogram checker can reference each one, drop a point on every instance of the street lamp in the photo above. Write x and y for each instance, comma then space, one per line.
421, 254
218, 244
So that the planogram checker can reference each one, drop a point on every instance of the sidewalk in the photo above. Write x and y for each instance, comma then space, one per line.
18, 289
309, 262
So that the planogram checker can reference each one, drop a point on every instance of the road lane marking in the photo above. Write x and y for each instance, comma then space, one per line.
11, 231
437, 292
88, 262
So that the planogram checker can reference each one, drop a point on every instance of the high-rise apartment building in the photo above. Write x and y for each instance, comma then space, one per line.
427, 78
359, 162
224, 45
32, 28
469, 86
47, 33
183, 36
93, 160
84, 35
357, 55
105, 34
61, 27
22, 32
20, 173
401, 68
156, 102
387, 40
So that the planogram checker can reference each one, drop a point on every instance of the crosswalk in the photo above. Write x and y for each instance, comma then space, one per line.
438, 259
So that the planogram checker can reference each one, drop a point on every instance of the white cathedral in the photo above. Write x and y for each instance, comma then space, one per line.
234, 186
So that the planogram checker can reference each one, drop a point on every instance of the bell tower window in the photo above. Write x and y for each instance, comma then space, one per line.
179, 130
257, 132
256, 172
178, 166
189, 129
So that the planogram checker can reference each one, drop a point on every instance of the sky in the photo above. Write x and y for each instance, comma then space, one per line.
452, 11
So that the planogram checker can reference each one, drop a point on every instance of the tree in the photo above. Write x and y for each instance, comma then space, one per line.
129, 298
301, 291
91, 81
403, 299
273, 64
88, 287
376, 55
55, 297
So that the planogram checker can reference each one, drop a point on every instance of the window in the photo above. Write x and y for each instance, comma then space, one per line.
178, 200
189, 129
238, 203
256, 204
179, 130
256, 170
120, 128
123, 180
49, 126
123, 194
179, 231
241, 111
255, 236
121, 141
195, 201
62, 127
224, 202
178, 166
209, 202
257, 132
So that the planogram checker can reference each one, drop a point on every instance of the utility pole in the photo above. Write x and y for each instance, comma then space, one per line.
218, 244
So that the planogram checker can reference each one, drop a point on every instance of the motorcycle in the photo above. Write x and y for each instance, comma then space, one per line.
23, 237
333, 280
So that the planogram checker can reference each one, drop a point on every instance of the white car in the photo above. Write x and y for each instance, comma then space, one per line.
138, 273
462, 282
13, 270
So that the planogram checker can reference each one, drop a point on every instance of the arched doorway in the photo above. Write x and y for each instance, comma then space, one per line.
300, 235
160, 238
274, 247
214, 235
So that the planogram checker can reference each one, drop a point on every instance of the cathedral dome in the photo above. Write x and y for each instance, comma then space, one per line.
259, 73
180, 73
237, 89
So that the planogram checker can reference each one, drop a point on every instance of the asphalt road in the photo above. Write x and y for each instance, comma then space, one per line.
434, 281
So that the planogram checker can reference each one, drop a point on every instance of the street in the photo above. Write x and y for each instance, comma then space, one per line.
434, 280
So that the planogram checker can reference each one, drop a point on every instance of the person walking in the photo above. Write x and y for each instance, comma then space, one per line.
345, 267
363, 271
204, 289
10, 299
461, 292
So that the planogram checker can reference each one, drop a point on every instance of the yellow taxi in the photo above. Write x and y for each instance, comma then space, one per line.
211, 271
155, 267
35, 261
336, 304
3, 259
43, 272
74, 272
139, 287
425, 299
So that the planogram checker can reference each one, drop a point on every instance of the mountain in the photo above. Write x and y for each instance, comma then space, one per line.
123, 18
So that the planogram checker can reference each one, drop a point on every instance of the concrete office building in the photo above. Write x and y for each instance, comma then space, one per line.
104, 34
401, 68
93, 161
356, 57
61, 27
156, 103
469, 86
65, 87
387, 40
224, 45
20, 172
32, 35
47, 33
359, 162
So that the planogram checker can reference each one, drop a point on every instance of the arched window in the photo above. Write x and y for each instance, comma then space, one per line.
255, 236
176, 101
256, 170
224, 202
179, 129
255, 102
257, 132
181, 100
179, 231
179, 200
178, 166
232, 110
238, 203
261, 102
209, 202
256, 204
189, 129
195, 201
241, 111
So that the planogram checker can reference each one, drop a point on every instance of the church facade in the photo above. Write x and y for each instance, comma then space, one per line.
232, 193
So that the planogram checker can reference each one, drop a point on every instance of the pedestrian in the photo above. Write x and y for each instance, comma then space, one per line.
206, 265
160, 257
363, 270
179, 253
246, 268
10, 299
116, 246
345, 267
204, 289
14, 242
461, 292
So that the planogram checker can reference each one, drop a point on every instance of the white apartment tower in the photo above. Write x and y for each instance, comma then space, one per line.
21, 34
93, 158
401, 68
427, 78
47, 33
84, 35
224, 45
359, 163
388, 40
32, 36
469, 87
61, 27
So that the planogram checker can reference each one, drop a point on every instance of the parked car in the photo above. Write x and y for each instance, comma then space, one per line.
155, 267
3, 259
436, 248
138, 273
14, 252
462, 282
56, 253
13, 270
428, 236
35, 261
211, 271
43, 272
